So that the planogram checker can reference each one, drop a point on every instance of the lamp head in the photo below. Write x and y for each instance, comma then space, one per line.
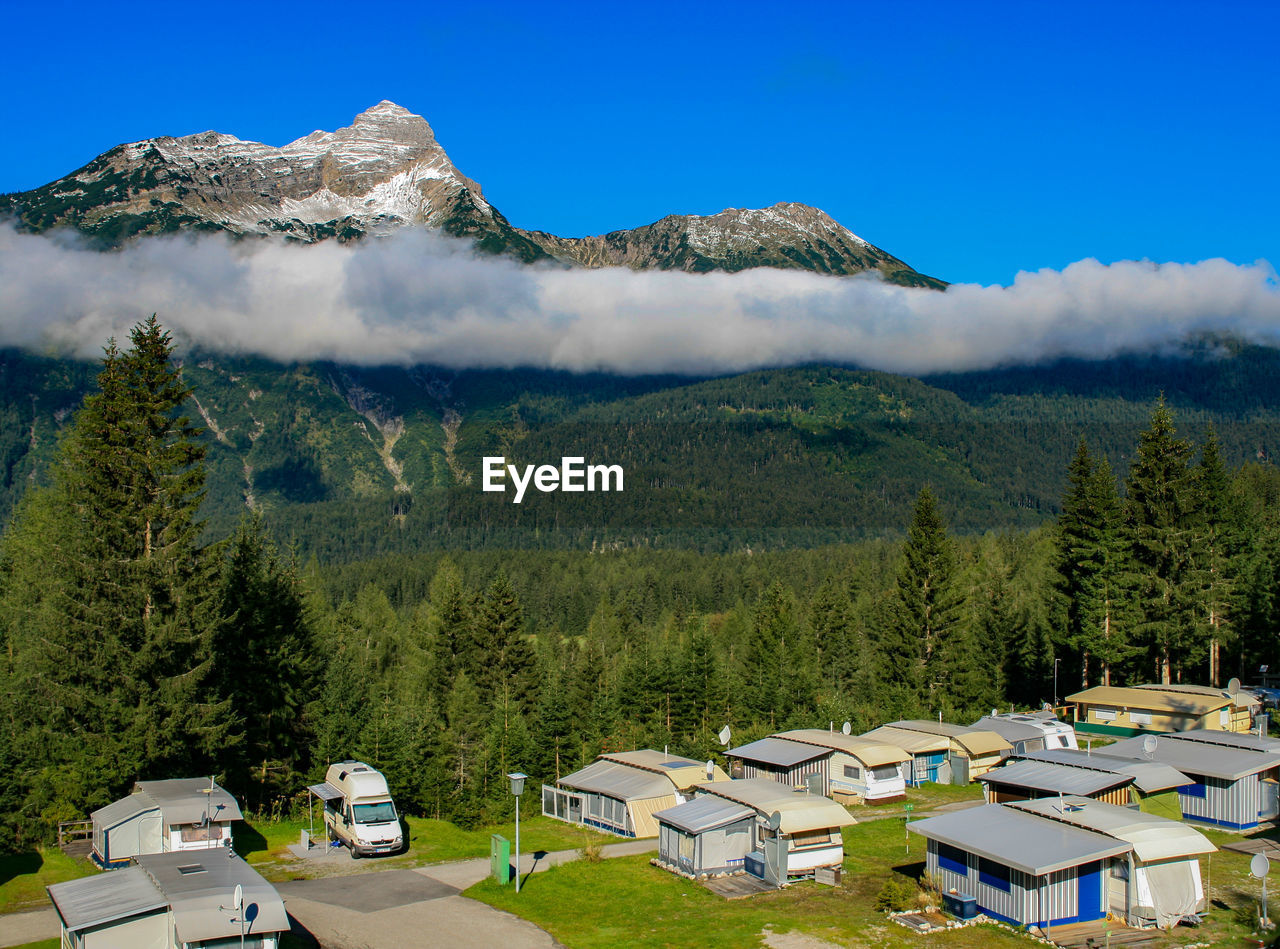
517, 782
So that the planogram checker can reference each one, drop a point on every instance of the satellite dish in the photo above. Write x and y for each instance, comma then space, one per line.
1149, 745
1260, 866
994, 713
1233, 687
711, 768
237, 898
775, 821
846, 728
724, 736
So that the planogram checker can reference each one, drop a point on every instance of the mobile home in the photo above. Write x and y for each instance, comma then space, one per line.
969, 752
1112, 710
1159, 884
620, 792
1021, 868
708, 835
859, 770
795, 833
171, 901
163, 816
1230, 787
1029, 731
928, 753
787, 762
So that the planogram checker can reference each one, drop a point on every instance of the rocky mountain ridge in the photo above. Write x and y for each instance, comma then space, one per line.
387, 170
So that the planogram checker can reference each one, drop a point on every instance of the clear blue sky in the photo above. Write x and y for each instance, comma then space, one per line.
973, 140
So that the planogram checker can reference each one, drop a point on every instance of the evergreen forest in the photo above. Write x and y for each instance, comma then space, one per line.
148, 634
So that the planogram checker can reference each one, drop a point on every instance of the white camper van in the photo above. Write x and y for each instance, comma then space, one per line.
358, 810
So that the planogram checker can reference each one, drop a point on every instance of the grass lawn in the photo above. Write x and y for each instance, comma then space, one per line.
42, 944
626, 901
430, 841
24, 876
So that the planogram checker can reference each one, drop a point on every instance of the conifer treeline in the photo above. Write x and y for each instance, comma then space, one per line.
132, 650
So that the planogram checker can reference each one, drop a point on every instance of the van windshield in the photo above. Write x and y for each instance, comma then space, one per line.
375, 813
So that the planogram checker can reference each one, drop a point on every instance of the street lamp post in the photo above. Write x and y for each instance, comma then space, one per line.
1055, 682
517, 788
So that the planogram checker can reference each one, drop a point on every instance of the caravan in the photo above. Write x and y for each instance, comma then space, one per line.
358, 810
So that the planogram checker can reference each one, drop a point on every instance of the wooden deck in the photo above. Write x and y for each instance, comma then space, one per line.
738, 887
1099, 934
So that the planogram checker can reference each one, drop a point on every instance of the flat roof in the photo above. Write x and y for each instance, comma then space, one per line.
618, 781
975, 741
1180, 703
779, 751
1153, 837
704, 813
198, 885
873, 754
1148, 776
1194, 757
1246, 741
681, 772
1240, 699
180, 800
1026, 842
1011, 730
1055, 778
106, 898
800, 811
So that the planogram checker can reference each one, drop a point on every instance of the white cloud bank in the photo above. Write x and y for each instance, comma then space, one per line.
418, 297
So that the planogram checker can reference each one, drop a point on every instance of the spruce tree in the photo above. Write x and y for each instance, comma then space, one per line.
1160, 510
1221, 524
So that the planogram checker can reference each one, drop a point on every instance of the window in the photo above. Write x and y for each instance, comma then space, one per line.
885, 772
811, 838
953, 859
381, 813
1193, 790
1104, 715
1224, 718
852, 771
993, 874
1140, 718
1120, 870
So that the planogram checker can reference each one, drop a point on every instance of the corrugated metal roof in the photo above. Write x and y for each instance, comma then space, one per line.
873, 754
1184, 703
800, 811
198, 884
1055, 778
1194, 757
779, 751
652, 760
1017, 839
915, 742
117, 812
1246, 741
106, 898
971, 740
618, 781
1153, 837
704, 813
1148, 776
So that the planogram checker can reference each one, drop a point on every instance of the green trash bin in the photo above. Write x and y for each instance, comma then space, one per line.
500, 859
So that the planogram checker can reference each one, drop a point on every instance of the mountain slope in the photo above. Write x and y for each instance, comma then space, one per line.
386, 170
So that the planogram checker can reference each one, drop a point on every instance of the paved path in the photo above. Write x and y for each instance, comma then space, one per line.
387, 909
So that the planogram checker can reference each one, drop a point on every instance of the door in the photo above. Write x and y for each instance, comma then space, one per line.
1270, 799
1089, 896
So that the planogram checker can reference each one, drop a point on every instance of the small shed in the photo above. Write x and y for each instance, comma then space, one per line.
1230, 787
706, 835
1024, 779
807, 837
1160, 884
163, 816
621, 791
171, 901
859, 770
928, 753
1114, 710
1021, 868
779, 759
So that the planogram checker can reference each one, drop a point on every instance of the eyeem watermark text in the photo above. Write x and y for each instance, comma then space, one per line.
573, 474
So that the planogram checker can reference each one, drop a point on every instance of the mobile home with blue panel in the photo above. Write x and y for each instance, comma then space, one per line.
928, 753
1230, 787
1020, 868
